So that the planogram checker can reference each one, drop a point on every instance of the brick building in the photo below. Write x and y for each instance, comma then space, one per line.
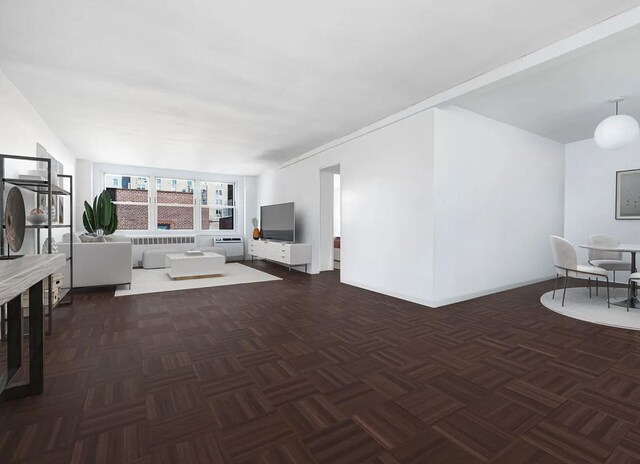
170, 216
135, 217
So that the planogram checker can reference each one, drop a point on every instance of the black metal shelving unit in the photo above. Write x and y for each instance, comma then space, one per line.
39, 187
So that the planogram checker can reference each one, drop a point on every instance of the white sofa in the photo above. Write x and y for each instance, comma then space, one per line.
99, 263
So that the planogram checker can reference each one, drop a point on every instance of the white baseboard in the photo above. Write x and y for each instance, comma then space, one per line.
447, 301
491, 291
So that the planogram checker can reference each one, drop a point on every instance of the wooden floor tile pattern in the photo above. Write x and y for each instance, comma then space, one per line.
307, 370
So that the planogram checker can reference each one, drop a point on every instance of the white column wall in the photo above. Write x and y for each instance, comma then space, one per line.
499, 195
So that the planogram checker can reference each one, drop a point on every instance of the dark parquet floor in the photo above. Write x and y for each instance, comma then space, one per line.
306, 370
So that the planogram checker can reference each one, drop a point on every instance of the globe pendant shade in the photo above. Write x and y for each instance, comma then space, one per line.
616, 132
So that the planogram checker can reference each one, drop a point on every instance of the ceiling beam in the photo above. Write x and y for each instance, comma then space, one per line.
600, 31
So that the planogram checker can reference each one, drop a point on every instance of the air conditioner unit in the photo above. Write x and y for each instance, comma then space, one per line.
234, 246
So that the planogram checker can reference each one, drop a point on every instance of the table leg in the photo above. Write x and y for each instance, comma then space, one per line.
35, 384
634, 286
14, 337
632, 301
36, 338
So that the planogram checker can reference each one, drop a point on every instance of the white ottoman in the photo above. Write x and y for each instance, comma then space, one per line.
153, 258
182, 266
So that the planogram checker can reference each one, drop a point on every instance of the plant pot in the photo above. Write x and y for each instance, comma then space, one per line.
256, 234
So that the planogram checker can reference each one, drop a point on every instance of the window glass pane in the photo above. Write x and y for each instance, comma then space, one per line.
217, 218
132, 217
175, 217
127, 188
174, 191
216, 194
166, 184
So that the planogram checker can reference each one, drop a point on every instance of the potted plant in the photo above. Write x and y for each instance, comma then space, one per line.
100, 219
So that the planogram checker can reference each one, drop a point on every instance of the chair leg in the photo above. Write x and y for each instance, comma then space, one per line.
589, 285
597, 286
564, 292
555, 286
608, 297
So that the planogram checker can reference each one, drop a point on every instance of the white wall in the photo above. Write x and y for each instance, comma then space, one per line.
21, 127
439, 207
250, 207
498, 198
84, 189
336, 205
386, 232
326, 219
590, 193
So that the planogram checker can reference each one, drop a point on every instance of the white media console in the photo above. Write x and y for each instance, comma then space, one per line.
291, 254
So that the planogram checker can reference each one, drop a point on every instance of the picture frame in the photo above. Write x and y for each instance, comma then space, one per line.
628, 194
60, 209
45, 204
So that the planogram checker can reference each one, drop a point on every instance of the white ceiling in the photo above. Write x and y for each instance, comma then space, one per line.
237, 86
565, 99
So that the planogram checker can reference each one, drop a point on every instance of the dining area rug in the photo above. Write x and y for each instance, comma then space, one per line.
579, 306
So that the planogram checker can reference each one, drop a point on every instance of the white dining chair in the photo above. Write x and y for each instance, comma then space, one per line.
565, 260
633, 277
607, 260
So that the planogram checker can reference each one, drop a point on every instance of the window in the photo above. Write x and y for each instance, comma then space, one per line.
149, 202
214, 195
174, 210
130, 195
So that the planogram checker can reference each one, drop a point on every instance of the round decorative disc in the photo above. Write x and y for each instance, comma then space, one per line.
14, 219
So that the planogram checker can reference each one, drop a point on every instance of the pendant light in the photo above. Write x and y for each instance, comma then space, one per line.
617, 131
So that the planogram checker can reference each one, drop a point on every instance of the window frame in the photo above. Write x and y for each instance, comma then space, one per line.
148, 204
174, 183
215, 207
100, 171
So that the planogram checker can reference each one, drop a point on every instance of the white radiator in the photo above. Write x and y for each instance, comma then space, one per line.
162, 240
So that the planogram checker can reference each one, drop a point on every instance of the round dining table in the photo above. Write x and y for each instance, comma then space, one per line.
632, 249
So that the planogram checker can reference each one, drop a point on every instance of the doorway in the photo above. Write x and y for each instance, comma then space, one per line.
330, 213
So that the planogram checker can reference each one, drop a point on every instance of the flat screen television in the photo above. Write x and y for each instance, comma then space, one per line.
278, 222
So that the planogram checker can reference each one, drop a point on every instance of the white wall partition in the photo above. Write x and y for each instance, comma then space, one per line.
386, 206
439, 207
498, 198
590, 192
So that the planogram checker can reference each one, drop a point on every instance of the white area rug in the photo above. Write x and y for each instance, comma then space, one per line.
578, 305
157, 280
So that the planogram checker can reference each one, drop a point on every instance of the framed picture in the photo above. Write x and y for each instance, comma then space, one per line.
60, 209
53, 203
628, 194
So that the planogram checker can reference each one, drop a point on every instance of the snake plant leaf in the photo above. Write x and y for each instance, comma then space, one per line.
97, 212
113, 224
88, 211
107, 208
87, 224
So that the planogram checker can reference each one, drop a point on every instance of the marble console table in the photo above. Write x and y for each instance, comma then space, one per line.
16, 276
